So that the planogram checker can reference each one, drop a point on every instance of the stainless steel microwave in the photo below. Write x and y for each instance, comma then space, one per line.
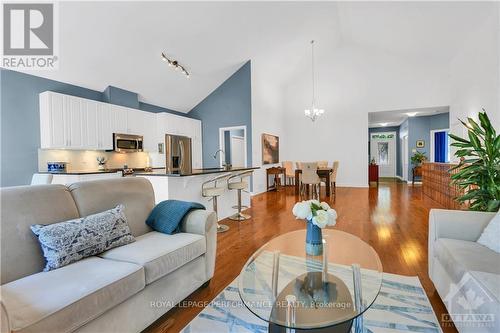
127, 143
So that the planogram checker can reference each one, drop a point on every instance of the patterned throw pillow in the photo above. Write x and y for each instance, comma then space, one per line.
66, 242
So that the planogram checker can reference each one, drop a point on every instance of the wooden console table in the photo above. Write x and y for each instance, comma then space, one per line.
373, 173
275, 173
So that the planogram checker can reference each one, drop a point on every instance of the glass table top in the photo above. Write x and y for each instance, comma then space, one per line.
283, 285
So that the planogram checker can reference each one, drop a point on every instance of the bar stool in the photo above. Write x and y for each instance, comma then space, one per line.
240, 185
209, 189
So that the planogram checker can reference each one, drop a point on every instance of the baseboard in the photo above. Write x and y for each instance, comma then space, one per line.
353, 185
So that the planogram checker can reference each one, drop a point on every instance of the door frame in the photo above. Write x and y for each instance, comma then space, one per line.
431, 151
404, 157
222, 144
395, 149
231, 146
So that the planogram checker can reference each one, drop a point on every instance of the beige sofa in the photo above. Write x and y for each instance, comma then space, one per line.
122, 290
465, 273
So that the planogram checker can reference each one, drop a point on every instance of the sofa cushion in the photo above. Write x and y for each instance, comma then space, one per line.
159, 253
459, 256
66, 298
66, 242
23, 206
135, 193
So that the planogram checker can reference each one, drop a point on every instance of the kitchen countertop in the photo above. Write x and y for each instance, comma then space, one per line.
81, 172
195, 172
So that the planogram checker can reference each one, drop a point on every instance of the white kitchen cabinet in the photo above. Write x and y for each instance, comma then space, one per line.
119, 119
65, 122
52, 121
67, 179
135, 122
90, 128
196, 140
104, 127
149, 132
69, 122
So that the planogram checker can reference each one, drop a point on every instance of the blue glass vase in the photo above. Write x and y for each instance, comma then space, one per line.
314, 239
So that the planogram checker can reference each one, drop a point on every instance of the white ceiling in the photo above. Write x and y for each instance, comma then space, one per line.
119, 43
396, 117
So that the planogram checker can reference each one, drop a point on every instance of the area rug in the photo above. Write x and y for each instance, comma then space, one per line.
402, 306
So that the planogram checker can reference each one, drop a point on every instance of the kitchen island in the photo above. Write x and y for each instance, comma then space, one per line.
187, 187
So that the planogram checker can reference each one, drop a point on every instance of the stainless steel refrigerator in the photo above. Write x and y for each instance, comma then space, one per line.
178, 154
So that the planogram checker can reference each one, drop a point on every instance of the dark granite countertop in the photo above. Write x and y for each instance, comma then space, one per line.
195, 172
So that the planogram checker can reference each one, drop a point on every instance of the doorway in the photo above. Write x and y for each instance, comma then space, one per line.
383, 151
233, 143
404, 157
440, 146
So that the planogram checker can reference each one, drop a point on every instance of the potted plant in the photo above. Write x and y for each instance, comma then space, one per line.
418, 158
479, 168
318, 215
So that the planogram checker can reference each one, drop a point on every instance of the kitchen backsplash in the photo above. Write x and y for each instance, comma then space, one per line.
79, 160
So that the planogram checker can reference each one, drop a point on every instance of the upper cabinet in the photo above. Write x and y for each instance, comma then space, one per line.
69, 122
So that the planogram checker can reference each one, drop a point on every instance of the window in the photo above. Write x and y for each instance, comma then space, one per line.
383, 153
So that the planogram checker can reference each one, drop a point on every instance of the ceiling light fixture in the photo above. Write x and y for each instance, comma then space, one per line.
175, 64
313, 113
383, 124
412, 114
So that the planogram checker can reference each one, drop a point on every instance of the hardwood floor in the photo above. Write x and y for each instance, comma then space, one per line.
392, 218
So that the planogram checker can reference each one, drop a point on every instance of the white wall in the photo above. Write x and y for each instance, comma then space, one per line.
353, 81
267, 117
475, 75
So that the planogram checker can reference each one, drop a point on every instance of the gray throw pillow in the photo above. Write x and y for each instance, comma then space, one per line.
66, 242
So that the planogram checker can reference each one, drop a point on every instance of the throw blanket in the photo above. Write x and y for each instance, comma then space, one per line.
167, 216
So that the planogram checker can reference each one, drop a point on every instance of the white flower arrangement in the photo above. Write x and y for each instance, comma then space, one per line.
319, 213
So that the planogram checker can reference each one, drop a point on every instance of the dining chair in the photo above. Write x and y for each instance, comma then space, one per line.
298, 165
289, 172
333, 178
322, 164
310, 178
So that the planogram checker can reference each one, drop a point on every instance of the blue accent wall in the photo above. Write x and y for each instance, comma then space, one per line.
114, 95
20, 119
419, 128
399, 167
20, 122
228, 105
157, 109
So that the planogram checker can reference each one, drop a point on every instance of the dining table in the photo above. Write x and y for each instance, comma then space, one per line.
323, 173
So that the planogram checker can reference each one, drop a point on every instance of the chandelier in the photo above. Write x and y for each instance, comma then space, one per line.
314, 112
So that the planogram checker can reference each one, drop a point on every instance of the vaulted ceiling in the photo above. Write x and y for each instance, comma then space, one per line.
119, 43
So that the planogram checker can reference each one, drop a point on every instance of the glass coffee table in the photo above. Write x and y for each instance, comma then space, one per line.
295, 292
